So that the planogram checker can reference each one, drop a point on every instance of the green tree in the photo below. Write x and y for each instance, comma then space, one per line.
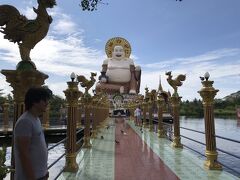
55, 104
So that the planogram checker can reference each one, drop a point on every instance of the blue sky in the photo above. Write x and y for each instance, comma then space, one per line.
188, 37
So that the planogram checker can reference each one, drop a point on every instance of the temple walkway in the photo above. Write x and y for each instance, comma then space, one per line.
138, 156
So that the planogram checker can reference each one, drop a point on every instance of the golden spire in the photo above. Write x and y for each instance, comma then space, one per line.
160, 89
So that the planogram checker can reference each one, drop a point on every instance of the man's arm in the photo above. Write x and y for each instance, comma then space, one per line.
23, 143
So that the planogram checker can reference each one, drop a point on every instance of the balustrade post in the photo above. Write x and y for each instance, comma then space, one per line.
161, 132
72, 95
208, 92
87, 105
175, 102
150, 111
79, 115
94, 122
144, 113
98, 115
5, 116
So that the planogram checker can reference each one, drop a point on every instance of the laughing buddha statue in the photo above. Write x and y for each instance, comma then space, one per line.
119, 74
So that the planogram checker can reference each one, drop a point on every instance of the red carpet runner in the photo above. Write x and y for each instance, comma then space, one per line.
134, 160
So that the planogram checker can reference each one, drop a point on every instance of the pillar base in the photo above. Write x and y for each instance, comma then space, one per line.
71, 164
99, 129
151, 128
211, 161
86, 142
161, 133
145, 124
177, 142
94, 133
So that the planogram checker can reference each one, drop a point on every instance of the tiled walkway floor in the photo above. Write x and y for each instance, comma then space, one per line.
100, 162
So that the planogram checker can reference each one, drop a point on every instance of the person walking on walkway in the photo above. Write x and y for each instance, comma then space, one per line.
30, 150
137, 114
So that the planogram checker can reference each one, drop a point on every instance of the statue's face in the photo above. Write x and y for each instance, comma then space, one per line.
118, 52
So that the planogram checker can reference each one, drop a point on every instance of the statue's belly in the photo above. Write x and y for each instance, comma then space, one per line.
118, 75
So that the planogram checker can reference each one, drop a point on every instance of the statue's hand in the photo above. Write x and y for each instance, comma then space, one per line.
103, 80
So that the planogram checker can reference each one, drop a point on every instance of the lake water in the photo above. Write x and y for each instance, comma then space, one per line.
229, 128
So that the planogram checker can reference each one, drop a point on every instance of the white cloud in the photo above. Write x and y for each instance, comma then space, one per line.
220, 69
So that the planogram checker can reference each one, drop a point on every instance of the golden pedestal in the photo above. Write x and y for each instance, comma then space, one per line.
161, 133
86, 143
211, 162
177, 142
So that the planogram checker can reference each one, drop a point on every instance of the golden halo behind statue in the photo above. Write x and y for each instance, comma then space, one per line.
117, 41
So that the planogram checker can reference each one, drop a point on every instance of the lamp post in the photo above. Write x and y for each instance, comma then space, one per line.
208, 92
72, 95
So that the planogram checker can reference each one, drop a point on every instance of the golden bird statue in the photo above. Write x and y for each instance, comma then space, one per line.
26, 33
175, 82
85, 83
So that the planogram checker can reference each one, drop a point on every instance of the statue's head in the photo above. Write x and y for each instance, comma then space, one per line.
118, 52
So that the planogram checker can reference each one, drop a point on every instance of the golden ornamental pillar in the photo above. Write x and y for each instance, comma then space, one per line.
87, 100
87, 106
161, 132
72, 95
94, 117
98, 115
5, 115
79, 115
175, 102
208, 92
150, 116
21, 79
144, 113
